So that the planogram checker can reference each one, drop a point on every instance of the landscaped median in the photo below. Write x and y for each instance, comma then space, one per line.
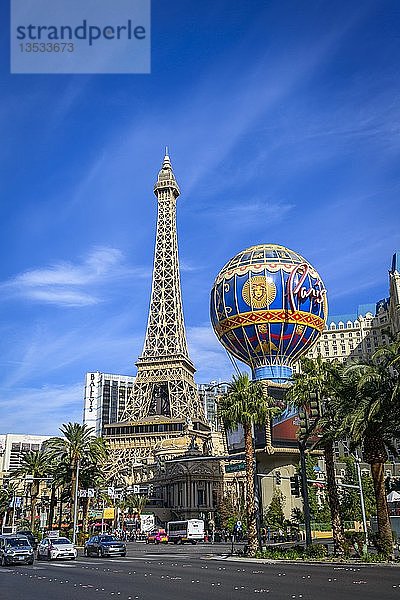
317, 552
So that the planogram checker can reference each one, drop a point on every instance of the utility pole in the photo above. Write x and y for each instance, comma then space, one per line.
364, 516
304, 491
76, 503
257, 499
357, 461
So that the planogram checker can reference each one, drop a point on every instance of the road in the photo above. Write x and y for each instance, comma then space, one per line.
193, 572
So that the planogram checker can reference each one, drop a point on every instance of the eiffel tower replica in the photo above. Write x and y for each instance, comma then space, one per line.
164, 413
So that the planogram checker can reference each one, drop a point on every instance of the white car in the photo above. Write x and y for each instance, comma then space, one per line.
56, 548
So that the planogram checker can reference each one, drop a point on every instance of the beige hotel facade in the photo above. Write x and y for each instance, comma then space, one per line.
359, 335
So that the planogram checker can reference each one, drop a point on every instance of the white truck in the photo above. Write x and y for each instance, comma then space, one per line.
191, 531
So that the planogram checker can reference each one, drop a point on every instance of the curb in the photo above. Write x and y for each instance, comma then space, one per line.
228, 557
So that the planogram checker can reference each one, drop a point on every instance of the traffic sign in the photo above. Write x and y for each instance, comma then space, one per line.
235, 467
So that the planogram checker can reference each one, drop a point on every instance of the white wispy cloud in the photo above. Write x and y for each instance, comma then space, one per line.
208, 355
68, 284
41, 410
188, 267
54, 347
252, 211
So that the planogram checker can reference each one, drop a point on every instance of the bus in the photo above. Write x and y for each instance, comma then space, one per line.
191, 530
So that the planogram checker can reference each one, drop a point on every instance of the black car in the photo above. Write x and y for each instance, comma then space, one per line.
104, 545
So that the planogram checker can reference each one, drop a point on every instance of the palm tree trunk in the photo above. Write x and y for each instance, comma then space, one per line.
34, 488
382, 513
53, 501
33, 511
251, 508
376, 455
61, 509
72, 493
339, 540
85, 515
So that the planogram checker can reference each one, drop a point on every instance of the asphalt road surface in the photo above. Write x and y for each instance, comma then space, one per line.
199, 572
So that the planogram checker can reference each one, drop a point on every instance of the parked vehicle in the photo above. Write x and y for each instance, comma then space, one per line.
28, 534
15, 549
104, 545
52, 548
157, 536
191, 531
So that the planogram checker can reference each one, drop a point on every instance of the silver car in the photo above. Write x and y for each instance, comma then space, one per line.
15, 550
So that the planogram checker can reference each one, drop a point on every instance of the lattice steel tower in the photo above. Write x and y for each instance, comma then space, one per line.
164, 382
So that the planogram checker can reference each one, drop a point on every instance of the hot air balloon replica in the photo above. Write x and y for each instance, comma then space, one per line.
268, 307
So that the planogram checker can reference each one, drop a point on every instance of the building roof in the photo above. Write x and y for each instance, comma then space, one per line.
396, 262
362, 310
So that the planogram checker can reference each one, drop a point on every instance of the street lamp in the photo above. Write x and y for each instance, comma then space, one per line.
357, 461
76, 502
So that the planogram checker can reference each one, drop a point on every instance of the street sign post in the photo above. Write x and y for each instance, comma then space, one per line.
235, 467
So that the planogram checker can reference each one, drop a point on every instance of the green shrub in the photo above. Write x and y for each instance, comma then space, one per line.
316, 551
278, 552
374, 558
81, 538
355, 536
282, 553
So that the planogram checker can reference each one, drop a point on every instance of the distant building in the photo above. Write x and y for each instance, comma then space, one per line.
105, 399
358, 335
394, 289
209, 393
106, 396
13, 446
355, 335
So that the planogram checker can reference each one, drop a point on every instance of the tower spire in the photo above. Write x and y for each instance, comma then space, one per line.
167, 161
164, 383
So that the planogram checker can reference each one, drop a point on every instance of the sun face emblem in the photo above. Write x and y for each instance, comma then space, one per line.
259, 291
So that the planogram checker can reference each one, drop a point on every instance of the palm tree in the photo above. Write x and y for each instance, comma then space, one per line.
37, 464
90, 476
373, 422
7, 494
321, 380
77, 448
246, 404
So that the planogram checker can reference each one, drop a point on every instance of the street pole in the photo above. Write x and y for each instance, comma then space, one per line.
13, 513
357, 461
364, 516
304, 490
256, 490
76, 503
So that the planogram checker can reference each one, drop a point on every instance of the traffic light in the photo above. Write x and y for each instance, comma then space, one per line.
303, 423
295, 486
278, 477
314, 406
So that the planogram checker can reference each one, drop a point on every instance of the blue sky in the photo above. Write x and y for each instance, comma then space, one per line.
282, 119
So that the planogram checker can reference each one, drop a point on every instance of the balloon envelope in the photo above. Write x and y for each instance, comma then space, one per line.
268, 307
